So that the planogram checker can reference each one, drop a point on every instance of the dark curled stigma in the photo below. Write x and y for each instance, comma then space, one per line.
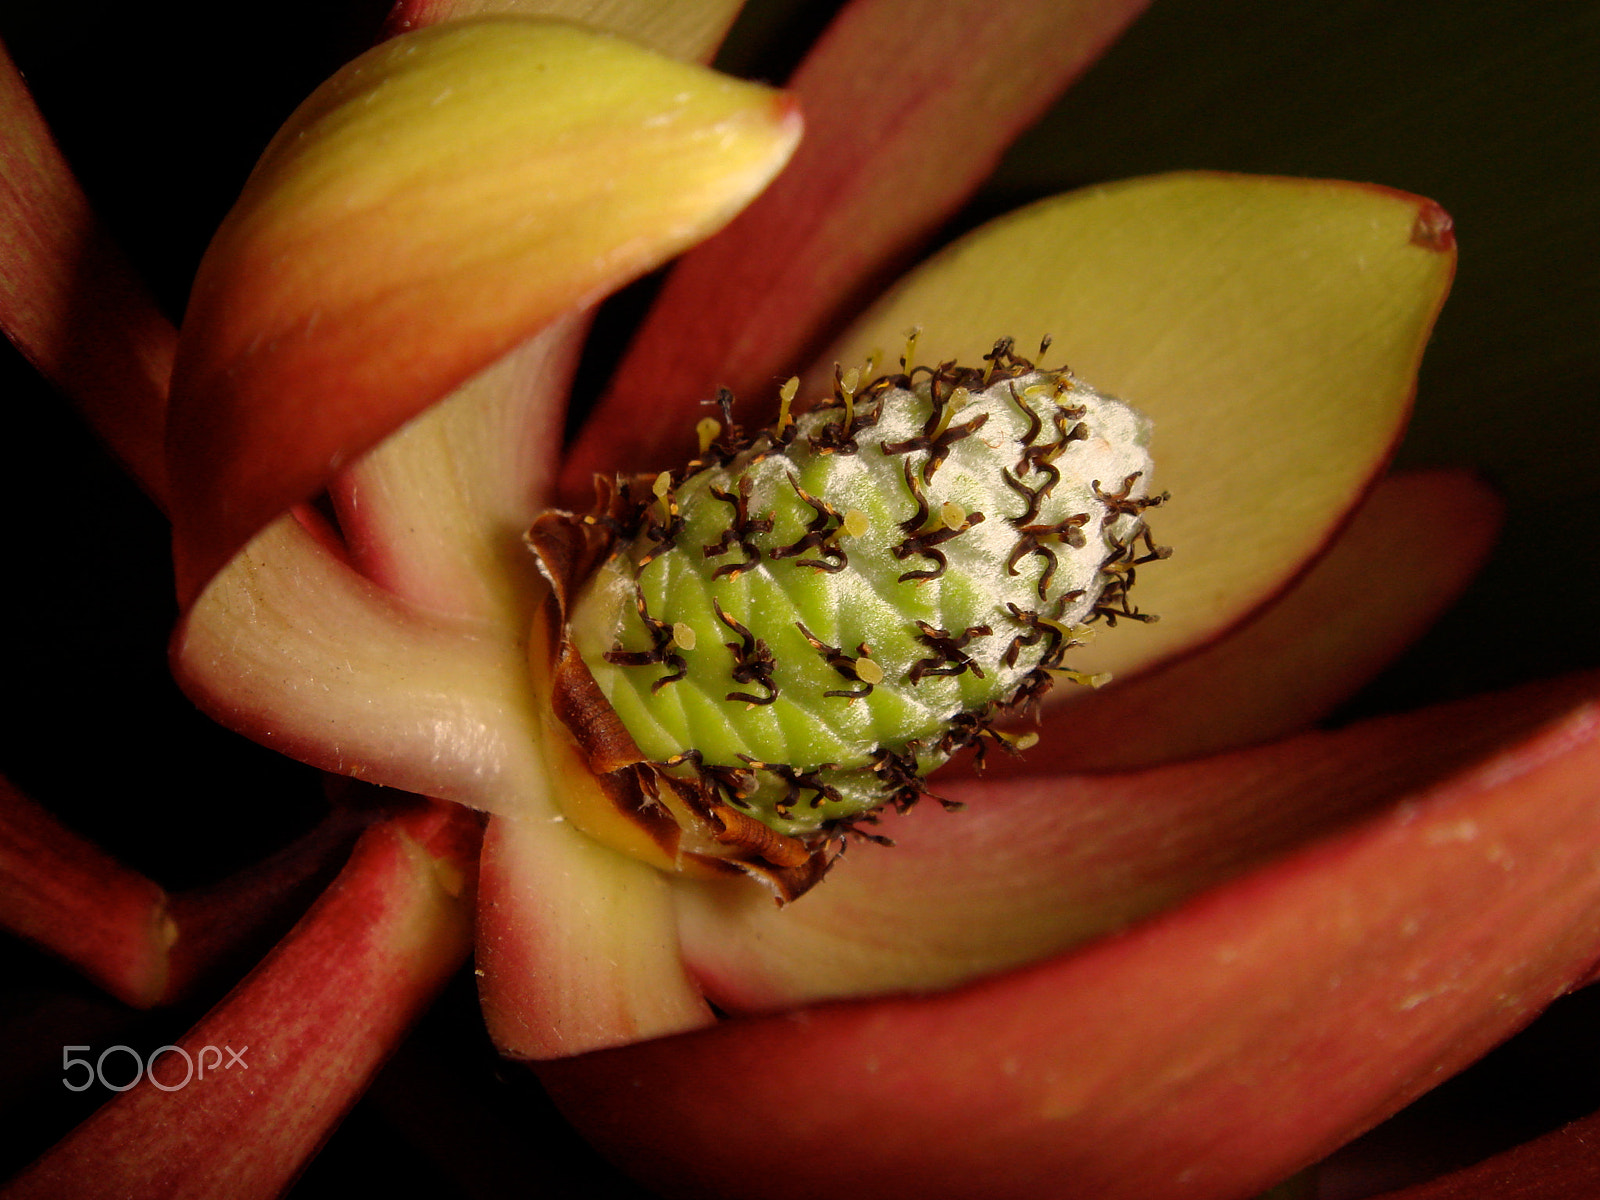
1045, 467
1037, 629
660, 648
1034, 540
1005, 363
841, 438
949, 657
752, 661
938, 444
852, 826
1041, 456
980, 747
840, 662
730, 441
903, 781
976, 729
733, 784
1035, 425
923, 542
964, 730
1035, 685
795, 781
1035, 632
780, 439
939, 448
1123, 504
833, 439
869, 401
919, 518
1114, 605
1032, 497
819, 531
1121, 568
741, 532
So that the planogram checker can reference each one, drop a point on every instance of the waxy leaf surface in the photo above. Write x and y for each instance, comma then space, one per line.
437, 201
1271, 328
1214, 1050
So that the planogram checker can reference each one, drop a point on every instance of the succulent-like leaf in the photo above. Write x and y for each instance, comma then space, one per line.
434, 203
295, 649
308, 1029
1037, 865
1270, 328
70, 300
74, 900
577, 944
1216, 1049
436, 512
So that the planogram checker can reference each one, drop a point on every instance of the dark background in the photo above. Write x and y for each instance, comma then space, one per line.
1489, 108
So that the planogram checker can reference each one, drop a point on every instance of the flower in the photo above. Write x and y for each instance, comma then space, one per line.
628, 1060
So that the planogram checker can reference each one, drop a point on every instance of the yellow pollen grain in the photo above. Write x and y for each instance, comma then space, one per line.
848, 382
786, 395
855, 523
662, 487
912, 335
707, 428
1082, 678
957, 398
1071, 633
868, 671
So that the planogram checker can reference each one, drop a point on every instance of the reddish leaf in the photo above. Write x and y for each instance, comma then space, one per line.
74, 900
1213, 1050
224, 929
69, 299
1038, 864
311, 1024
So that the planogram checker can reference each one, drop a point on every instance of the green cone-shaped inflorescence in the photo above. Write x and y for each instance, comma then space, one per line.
798, 626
